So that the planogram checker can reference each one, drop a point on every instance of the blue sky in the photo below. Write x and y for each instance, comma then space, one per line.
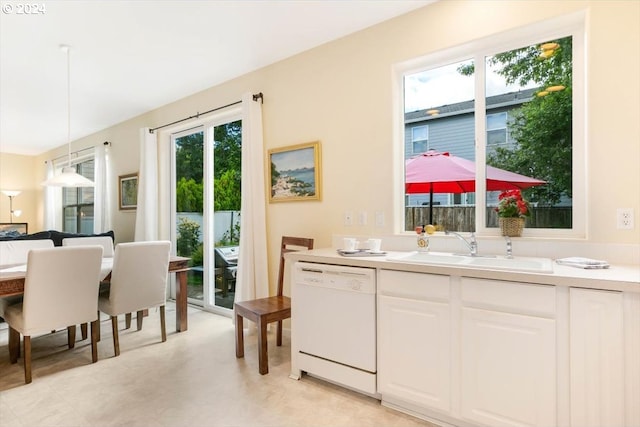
296, 159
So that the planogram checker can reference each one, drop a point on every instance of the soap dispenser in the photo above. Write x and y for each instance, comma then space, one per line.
423, 239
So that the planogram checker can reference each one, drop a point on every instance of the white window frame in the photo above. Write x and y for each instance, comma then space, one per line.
81, 156
205, 125
504, 128
414, 140
570, 25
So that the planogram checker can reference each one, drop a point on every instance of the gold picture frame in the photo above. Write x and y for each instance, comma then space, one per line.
128, 191
294, 173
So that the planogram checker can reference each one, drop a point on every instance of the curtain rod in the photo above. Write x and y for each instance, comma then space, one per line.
76, 152
256, 97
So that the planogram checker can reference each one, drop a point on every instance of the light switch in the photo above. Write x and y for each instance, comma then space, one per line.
362, 218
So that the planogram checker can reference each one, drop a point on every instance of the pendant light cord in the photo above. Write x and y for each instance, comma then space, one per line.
69, 177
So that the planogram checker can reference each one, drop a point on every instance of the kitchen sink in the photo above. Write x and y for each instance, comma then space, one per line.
429, 258
538, 265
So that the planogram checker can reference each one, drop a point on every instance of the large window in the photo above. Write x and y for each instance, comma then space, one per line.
512, 104
77, 203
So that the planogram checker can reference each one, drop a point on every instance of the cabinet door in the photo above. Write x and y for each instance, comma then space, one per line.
508, 369
414, 352
597, 358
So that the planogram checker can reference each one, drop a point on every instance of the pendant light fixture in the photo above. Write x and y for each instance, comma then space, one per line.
69, 177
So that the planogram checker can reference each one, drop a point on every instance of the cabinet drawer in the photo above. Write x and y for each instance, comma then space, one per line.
414, 285
511, 297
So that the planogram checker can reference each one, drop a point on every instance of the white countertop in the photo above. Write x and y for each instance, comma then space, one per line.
617, 278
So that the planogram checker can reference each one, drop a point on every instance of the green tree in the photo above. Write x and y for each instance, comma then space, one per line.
227, 191
274, 174
227, 167
541, 127
189, 155
227, 151
227, 161
189, 195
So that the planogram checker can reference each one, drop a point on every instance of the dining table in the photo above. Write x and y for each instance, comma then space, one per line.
12, 283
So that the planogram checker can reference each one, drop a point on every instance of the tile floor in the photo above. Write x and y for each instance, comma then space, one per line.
193, 379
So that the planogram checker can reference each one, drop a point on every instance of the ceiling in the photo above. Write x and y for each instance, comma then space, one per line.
129, 57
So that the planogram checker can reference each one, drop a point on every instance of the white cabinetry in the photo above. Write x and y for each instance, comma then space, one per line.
597, 358
508, 351
467, 351
414, 357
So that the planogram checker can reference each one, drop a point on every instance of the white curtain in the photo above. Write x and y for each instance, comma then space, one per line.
147, 209
252, 276
52, 202
102, 194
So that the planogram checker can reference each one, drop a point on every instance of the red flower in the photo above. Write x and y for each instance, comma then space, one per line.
522, 207
512, 205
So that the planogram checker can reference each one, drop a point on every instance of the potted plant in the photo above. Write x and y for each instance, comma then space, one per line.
512, 210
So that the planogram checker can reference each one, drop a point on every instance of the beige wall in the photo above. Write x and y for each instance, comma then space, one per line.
19, 173
340, 94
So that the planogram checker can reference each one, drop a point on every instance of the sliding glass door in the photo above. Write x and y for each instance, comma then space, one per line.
207, 162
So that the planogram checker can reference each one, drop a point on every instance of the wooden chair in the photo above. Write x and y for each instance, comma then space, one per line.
263, 311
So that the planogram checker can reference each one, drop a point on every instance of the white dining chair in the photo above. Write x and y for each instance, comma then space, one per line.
13, 253
60, 290
105, 241
107, 252
138, 282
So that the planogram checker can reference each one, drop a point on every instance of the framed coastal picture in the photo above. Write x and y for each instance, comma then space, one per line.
13, 228
294, 173
128, 191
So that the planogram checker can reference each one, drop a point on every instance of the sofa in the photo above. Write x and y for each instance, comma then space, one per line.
56, 236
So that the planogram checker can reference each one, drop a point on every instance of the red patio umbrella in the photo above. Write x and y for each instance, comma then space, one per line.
435, 172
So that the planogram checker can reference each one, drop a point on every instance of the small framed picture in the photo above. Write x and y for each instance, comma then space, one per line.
13, 228
294, 173
128, 191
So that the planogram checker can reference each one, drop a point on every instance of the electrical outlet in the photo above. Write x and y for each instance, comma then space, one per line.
625, 218
362, 218
348, 218
379, 219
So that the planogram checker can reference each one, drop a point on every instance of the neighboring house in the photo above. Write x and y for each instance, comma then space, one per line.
452, 130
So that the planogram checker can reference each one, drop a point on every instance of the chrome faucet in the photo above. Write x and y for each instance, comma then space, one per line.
509, 247
471, 244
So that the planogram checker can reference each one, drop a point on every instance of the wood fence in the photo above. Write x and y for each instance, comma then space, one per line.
462, 218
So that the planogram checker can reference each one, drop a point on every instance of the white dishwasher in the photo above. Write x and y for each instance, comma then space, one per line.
333, 324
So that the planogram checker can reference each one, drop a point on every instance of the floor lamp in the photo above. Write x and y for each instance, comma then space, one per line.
11, 194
